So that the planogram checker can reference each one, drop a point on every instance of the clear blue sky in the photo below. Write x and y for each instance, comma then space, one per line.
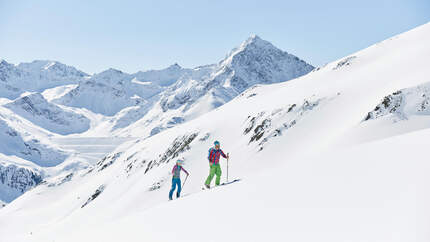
137, 35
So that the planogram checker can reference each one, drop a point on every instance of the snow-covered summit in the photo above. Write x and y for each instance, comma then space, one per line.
258, 61
111, 76
109, 92
253, 41
36, 76
164, 77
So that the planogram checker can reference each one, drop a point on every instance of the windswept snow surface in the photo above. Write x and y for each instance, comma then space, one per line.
306, 173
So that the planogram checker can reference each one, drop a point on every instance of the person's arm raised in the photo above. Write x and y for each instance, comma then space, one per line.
224, 155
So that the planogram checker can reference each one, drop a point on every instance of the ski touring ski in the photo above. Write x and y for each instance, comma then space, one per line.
222, 184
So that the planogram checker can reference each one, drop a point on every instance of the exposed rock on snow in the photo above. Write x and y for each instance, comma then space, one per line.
107, 161
267, 125
15, 180
94, 196
157, 185
345, 62
62, 180
403, 104
178, 146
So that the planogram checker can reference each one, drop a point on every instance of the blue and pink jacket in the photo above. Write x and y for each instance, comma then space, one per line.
176, 171
214, 155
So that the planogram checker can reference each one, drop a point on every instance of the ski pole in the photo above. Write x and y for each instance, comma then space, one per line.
228, 156
184, 182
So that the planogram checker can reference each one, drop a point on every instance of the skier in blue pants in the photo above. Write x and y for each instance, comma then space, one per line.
176, 179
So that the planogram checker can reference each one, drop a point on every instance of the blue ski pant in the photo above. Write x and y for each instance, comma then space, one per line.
175, 182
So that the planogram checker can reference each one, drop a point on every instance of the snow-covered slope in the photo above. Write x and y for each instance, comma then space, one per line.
35, 76
27, 141
305, 174
35, 108
403, 104
405, 110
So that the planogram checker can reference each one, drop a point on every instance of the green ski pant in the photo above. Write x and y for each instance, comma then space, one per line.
214, 170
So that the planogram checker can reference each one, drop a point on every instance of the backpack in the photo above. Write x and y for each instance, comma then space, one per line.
209, 155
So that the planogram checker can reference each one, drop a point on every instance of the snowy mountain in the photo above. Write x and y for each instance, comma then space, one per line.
316, 161
35, 108
205, 88
115, 90
256, 61
26, 153
161, 99
35, 76
52, 73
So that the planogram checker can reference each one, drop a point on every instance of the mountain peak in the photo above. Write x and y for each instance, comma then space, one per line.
253, 38
4, 63
43, 62
38, 64
110, 71
111, 75
256, 41
51, 66
175, 66
254, 44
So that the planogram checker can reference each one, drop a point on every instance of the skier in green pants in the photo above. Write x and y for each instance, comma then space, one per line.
215, 168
